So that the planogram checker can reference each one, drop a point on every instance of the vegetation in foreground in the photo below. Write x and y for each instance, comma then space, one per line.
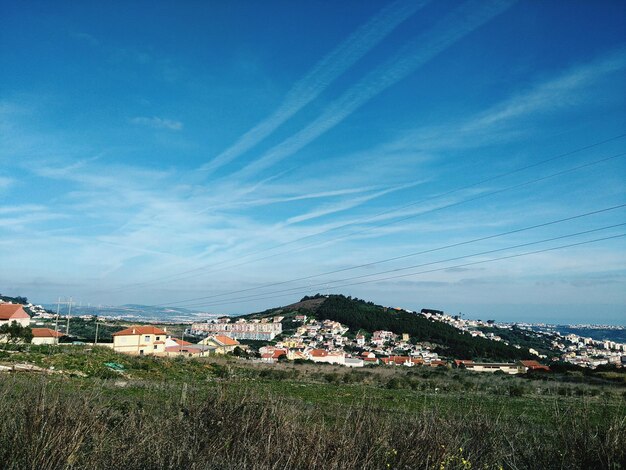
204, 414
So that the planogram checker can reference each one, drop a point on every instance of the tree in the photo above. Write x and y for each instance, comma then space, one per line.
16, 333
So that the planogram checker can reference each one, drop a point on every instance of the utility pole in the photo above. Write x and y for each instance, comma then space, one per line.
69, 313
96, 338
56, 322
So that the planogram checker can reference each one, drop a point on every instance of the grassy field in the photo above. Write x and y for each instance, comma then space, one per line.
225, 413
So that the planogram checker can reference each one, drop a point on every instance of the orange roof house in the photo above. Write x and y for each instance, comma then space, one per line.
534, 365
322, 355
181, 342
223, 344
45, 333
226, 340
45, 336
140, 330
14, 312
140, 340
319, 353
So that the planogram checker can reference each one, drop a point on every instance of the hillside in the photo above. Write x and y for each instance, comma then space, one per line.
30, 308
361, 315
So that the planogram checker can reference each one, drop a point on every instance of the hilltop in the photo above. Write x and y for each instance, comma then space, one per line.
360, 315
30, 308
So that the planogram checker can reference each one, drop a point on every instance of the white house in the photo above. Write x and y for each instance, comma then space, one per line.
140, 340
14, 313
45, 336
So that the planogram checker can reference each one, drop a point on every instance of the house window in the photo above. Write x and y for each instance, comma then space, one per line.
141, 352
146, 338
158, 338
155, 346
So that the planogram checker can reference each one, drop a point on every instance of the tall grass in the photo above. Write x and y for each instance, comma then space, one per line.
59, 423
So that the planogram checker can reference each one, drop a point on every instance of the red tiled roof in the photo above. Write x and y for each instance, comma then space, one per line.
140, 330
45, 333
12, 312
534, 365
396, 360
181, 342
226, 340
319, 353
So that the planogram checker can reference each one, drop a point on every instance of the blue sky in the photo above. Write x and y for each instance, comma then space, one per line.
181, 152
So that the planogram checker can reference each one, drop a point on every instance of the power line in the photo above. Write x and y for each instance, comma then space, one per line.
408, 255
439, 269
183, 275
300, 289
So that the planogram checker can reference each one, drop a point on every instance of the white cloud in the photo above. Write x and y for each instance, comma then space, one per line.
158, 123
321, 76
6, 182
455, 26
558, 92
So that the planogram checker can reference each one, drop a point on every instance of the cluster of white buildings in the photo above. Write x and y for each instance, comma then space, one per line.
326, 342
259, 330
588, 352
574, 349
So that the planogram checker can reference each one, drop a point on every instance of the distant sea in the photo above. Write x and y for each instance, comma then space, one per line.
609, 334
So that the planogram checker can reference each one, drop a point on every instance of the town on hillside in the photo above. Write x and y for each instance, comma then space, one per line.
265, 340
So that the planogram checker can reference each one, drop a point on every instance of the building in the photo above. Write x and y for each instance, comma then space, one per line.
274, 355
321, 355
45, 336
406, 361
140, 340
240, 330
189, 350
534, 365
222, 344
353, 362
14, 313
507, 368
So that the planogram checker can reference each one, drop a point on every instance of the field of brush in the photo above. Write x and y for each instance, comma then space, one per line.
228, 413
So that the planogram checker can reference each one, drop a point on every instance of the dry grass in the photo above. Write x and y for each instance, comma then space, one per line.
51, 424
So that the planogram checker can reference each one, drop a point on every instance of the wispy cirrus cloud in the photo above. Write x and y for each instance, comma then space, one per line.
554, 93
498, 122
321, 76
413, 55
345, 204
158, 123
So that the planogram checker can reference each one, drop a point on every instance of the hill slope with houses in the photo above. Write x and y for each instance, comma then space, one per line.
368, 318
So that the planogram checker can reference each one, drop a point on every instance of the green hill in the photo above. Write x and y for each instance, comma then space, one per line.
361, 315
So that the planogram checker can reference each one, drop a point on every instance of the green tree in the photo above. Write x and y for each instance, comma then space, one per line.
16, 333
